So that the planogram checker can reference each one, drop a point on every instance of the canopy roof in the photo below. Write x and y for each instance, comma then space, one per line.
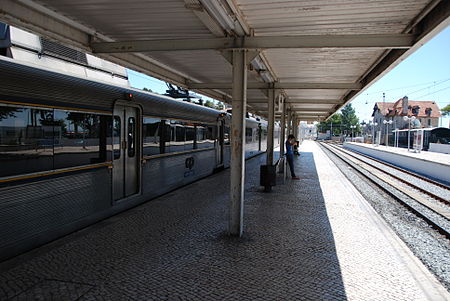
319, 54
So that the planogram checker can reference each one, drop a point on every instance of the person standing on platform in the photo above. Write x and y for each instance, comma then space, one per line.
290, 142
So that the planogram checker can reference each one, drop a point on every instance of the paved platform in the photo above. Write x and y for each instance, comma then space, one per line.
313, 239
429, 164
423, 155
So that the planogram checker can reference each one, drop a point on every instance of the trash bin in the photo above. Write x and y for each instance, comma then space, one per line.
268, 176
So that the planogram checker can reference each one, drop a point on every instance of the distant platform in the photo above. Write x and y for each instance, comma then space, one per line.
429, 164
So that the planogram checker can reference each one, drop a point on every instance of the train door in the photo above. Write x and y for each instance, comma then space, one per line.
126, 167
219, 148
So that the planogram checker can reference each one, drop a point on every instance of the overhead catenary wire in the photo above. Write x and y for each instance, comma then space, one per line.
410, 86
428, 87
434, 92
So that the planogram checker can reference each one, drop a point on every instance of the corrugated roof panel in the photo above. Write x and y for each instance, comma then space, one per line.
329, 17
320, 65
171, 19
137, 19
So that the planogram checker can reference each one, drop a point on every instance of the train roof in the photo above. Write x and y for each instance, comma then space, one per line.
29, 84
423, 129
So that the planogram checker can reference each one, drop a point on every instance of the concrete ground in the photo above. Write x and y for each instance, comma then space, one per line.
313, 239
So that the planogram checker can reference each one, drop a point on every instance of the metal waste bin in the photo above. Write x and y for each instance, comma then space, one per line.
268, 176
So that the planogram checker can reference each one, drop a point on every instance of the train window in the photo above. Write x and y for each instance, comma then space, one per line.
151, 136
131, 137
190, 137
116, 137
80, 138
26, 140
226, 135
201, 137
248, 135
33, 140
210, 135
177, 137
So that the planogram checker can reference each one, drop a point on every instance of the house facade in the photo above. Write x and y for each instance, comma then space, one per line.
426, 115
426, 112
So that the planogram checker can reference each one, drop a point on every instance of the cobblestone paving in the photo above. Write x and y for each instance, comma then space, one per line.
298, 245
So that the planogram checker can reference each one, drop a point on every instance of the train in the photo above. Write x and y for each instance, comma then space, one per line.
421, 139
74, 151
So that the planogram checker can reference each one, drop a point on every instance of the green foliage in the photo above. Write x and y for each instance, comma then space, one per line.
341, 122
349, 118
147, 89
220, 106
6, 112
209, 104
446, 110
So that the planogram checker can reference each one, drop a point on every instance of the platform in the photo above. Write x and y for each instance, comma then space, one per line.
430, 164
313, 239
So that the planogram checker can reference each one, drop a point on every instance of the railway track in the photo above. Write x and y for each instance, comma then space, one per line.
430, 202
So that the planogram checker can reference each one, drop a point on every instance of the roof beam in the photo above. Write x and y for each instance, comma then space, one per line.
294, 86
299, 101
313, 101
389, 41
310, 110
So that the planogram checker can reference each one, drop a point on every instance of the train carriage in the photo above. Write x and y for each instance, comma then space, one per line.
75, 151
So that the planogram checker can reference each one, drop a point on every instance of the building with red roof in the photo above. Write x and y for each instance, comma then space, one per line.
426, 112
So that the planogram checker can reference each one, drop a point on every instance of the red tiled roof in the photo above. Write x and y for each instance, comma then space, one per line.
384, 106
423, 106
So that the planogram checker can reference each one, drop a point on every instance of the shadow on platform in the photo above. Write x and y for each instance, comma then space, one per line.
174, 248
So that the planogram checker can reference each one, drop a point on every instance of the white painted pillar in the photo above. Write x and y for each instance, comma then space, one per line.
295, 124
270, 127
237, 166
289, 122
283, 128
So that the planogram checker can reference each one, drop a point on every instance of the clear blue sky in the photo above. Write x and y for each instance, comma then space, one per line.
424, 75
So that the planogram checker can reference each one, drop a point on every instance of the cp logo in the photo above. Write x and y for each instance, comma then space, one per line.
189, 162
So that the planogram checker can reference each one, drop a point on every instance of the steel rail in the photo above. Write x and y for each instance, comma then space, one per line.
429, 221
429, 193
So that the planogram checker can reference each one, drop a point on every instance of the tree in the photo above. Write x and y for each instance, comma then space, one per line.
349, 118
147, 89
6, 112
446, 111
334, 122
209, 104
220, 106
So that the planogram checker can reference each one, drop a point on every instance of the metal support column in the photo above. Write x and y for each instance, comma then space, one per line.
296, 128
270, 127
289, 122
237, 165
283, 130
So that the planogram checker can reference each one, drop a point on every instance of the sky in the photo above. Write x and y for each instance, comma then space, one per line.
424, 75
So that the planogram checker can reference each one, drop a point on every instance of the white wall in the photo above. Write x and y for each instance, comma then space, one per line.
438, 171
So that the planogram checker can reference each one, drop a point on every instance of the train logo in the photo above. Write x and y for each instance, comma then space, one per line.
189, 163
